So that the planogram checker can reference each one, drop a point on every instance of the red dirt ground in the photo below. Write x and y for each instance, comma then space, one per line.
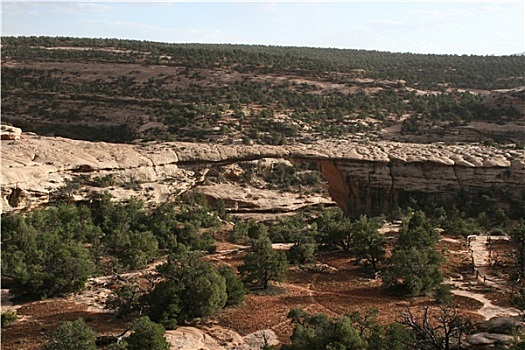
38, 319
346, 291
349, 289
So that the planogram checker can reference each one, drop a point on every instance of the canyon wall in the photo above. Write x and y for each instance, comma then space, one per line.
370, 177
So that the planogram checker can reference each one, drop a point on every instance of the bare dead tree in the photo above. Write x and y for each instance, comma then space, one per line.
111, 339
152, 279
117, 275
438, 329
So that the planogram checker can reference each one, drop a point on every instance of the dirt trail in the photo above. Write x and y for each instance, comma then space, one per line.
482, 258
488, 310
310, 292
478, 248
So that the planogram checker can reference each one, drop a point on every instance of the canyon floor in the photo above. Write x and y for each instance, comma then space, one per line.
344, 288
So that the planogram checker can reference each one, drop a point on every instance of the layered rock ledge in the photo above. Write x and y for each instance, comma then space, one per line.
362, 176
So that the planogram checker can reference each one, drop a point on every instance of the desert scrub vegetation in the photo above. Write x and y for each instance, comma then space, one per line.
413, 68
263, 264
72, 335
190, 289
8, 318
53, 251
436, 329
191, 103
78, 335
415, 262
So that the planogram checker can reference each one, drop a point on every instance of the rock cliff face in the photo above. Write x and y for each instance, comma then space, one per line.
362, 177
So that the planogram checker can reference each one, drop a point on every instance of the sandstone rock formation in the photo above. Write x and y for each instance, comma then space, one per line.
362, 176
250, 199
218, 338
493, 332
502, 325
10, 132
488, 340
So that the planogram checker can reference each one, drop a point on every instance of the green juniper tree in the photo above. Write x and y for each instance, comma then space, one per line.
414, 266
147, 335
72, 335
369, 243
192, 289
313, 332
335, 229
263, 264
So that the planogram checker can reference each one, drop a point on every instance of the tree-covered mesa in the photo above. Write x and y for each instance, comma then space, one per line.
187, 95
423, 69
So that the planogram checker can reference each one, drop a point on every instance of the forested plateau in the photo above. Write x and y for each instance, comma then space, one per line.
121, 91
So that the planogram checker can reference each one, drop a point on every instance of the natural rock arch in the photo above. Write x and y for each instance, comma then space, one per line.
370, 177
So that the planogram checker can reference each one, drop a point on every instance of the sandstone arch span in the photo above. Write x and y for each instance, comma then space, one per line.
362, 176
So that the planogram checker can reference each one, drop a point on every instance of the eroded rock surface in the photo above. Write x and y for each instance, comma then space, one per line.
10, 132
482, 340
501, 325
250, 199
218, 338
362, 176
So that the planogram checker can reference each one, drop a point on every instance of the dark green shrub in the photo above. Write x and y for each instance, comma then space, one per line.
147, 335
72, 335
8, 318
443, 294
301, 253
234, 287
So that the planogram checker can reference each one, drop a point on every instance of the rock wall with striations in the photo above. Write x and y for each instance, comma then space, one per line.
362, 177
380, 176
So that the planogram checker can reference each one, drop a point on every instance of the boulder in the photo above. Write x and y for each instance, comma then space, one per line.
501, 325
318, 268
257, 340
10, 132
218, 338
189, 338
486, 339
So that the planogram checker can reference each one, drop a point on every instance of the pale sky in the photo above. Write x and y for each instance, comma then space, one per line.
474, 27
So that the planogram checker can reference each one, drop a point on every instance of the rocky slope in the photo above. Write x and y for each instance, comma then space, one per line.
362, 176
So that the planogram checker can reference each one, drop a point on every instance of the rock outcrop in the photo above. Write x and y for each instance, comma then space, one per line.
362, 176
483, 340
250, 199
496, 331
10, 132
501, 325
218, 338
